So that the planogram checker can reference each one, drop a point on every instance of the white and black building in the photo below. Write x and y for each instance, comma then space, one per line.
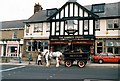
94, 28
72, 26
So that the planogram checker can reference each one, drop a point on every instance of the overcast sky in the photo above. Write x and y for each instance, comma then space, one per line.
23, 9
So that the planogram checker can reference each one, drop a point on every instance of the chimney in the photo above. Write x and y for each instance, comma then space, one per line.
37, 8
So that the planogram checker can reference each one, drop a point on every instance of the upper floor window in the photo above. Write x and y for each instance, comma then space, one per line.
57, 26
97, 24
71, 24
27, 29
50, 12
98, 8
113, 24
14, 35
38, 27
85, 24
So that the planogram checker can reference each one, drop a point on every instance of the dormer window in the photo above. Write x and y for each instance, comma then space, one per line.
98, 8
50, 12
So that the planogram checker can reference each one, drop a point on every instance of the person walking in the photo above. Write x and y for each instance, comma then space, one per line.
39, 59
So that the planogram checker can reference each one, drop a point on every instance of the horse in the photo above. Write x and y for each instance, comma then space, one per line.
49, 55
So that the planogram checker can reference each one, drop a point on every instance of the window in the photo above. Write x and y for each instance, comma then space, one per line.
71, 27
116, 23
38, 27
99, 47
97, 24
98, 8
57, 26
30, 46
50, 12
116, 50
14, 35
110, 49
113, 24
13, 49
109, 43
71, 24
27, 29
85, 24
110, 24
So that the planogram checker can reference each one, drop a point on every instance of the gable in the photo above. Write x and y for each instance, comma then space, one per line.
72, 10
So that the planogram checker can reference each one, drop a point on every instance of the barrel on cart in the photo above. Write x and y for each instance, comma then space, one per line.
81, 58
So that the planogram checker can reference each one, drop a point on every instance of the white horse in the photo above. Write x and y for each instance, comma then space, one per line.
48, 55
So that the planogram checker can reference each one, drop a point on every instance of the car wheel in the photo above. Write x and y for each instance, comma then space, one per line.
81, 64
100, 61
119, 62
68, 63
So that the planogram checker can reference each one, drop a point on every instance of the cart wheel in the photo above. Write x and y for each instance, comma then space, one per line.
81, 64
68, 63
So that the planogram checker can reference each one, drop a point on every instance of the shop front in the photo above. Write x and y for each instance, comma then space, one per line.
12, 48
74, 44
107, 45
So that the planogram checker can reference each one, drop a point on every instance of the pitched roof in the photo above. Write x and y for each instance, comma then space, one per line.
38, 16
12, 24
111, 10
74, 1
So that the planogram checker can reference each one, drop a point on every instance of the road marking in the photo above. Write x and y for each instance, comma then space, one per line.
12, 68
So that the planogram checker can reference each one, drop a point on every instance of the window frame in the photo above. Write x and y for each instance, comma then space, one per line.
97, 24
38, 27
112, 22
50, 12
14, 36
98, 8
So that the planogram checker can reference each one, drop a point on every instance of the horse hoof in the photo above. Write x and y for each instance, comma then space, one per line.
57, 66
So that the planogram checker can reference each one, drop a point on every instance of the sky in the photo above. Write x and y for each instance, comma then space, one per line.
24, 9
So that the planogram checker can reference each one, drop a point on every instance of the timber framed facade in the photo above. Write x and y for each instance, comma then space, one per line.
91, 27
72, 26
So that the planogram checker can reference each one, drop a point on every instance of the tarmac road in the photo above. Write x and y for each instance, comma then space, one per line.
90, 72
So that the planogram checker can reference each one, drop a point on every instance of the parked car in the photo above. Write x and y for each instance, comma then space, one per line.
106, 57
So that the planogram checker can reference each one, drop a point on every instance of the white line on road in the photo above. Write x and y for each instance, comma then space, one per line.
12, 68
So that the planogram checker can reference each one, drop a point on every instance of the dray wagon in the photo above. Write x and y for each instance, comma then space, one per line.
71, 56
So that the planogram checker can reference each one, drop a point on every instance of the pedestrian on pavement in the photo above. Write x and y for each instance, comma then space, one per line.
29, 57
39, 59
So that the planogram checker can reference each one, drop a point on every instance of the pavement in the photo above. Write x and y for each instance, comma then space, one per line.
89, 64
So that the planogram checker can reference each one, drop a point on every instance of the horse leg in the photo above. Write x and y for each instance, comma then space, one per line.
57, 60
47, 63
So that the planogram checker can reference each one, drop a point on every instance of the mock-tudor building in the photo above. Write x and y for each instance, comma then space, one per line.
94, 27
71, 25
